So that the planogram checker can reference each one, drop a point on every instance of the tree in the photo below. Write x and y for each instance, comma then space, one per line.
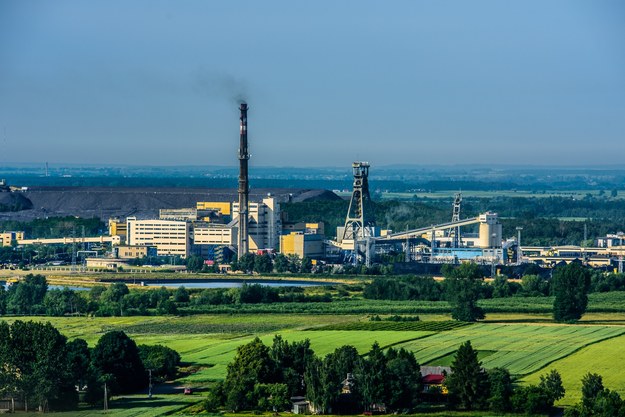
113, 297
26, 297
501, 390
35, 364
323, 378
608, 404
551, 384
281, 263
306, 265
246, 262
467, 382
195, 263
462, 288
291, 360
272, 397
163, 361
372, 377
181, 295
403, 379
592, 385
117, 355
263, 264
570, 287
78, 360
534, 285
251, 365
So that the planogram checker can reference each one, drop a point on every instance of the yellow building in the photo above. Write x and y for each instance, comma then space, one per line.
118, 227
302, 245
7, 237
224, 208
311, 228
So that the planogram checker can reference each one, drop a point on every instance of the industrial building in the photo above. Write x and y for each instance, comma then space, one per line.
170, 237
118, 227
304, 245
202, 230
133, 252
264, 224
6, 238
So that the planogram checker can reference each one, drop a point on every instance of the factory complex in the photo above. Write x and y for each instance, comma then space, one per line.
222, 231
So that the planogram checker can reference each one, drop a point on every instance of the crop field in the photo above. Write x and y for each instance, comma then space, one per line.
605, 358
216, 354
216, 326
522, 348
208, 343
425, 326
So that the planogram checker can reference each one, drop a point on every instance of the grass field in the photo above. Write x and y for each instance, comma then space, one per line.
522, 348
605, 358
526, 344
216, 354
133, 406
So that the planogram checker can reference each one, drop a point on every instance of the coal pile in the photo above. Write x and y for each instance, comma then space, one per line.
106, 202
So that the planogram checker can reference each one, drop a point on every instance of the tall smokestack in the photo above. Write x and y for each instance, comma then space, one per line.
244, 188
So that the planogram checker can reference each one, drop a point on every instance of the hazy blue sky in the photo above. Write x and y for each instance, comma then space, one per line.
328, 82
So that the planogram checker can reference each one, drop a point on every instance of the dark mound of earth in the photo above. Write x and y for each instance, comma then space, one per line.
14, 202
106, 202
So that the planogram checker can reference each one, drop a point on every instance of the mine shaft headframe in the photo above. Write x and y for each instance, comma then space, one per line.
360, 218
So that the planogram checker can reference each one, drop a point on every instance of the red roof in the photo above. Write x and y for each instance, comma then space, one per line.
433, 379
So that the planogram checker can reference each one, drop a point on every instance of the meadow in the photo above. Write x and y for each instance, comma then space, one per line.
605, 358
528, 345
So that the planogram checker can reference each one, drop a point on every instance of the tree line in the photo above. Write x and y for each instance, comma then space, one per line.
464, 285
41, 369
31, 296
264, 378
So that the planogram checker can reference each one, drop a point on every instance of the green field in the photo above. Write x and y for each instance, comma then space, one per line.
522, 348
134, 406
216, 354
606, 359
207, 343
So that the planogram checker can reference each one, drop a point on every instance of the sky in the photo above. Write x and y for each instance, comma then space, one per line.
153, 82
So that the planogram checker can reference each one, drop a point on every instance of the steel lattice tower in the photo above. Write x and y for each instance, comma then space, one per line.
360, 220
455, 217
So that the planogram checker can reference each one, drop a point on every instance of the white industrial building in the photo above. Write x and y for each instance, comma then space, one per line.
170, 237
264, 223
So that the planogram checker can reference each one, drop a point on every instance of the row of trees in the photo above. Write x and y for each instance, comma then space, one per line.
343, 382
464, 286
31, 296
41, 369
